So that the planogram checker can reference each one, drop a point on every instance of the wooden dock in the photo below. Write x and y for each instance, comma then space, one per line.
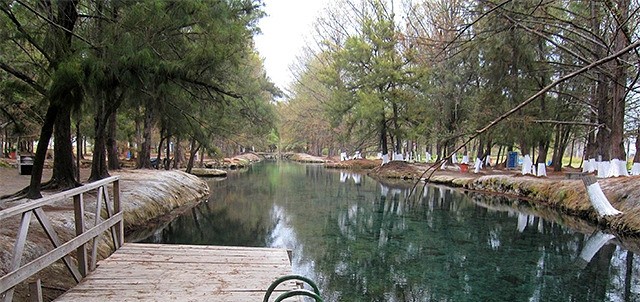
156, 272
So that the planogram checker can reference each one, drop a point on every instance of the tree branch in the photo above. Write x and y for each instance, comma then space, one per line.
29, 81
24, 32
568, 123
54, 23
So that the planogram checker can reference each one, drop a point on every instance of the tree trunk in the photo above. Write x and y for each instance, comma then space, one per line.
78, 150
601, 101
383, 136
563, 141
487, 152
138, 139
573, 148
178, 157
499, 155
480, 151
396, 130
159, 149
144, 158
543, 150
99, 162
63, 166
619, 83
167, 162
636, 157
195, 146
112, 143
41, 152
524, 148
556, 157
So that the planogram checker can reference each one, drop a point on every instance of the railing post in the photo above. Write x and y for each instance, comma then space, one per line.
18, 248
116, 209
36, 290
78, 207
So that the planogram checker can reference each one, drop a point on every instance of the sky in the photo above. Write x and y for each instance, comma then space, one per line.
284, 29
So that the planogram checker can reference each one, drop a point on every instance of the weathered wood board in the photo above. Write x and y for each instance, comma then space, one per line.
157, 272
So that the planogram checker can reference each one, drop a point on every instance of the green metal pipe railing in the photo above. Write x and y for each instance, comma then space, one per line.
297, 292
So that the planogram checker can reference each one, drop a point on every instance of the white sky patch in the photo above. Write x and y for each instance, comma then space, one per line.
284, 29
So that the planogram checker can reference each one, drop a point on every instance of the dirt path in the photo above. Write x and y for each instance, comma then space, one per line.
11, 181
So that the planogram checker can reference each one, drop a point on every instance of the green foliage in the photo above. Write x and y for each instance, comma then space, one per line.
368, 78
66, 85
430, 78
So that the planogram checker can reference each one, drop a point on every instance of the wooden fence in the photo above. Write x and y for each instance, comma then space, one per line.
112, 221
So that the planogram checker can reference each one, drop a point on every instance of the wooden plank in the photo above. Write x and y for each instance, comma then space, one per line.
153, 272
233, 284
180, 247
228, 253
199, 257
37, 203
96, 240
167, 296
180, 251
81, 252
151, 265
107, 205
14, 277
18, 250
117, 209
182, 273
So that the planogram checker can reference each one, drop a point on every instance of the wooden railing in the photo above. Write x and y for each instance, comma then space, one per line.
80, 243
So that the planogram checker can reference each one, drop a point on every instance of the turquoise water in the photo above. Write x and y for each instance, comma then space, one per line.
366, 241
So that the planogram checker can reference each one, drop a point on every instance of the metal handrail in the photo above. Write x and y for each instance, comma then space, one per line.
298, 292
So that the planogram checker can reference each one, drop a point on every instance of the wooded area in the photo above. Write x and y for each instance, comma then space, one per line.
159, 80
127, 74
405, 77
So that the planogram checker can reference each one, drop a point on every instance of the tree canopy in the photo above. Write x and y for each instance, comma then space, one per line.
187, 70
525, 75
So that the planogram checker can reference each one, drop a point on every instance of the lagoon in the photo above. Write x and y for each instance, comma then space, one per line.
366, 240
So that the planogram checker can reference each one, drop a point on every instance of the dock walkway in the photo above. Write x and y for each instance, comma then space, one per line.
157, 272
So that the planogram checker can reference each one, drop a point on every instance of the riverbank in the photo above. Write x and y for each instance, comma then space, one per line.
554, 192
567, 196
148, 197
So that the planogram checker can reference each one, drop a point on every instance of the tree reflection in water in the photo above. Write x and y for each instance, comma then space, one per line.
363, 240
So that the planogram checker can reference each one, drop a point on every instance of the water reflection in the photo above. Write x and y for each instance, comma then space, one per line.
365, 240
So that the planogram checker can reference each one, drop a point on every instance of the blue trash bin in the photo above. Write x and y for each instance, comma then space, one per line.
512, 160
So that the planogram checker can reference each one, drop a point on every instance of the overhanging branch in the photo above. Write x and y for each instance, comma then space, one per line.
568, 123
23, 77
54, 23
